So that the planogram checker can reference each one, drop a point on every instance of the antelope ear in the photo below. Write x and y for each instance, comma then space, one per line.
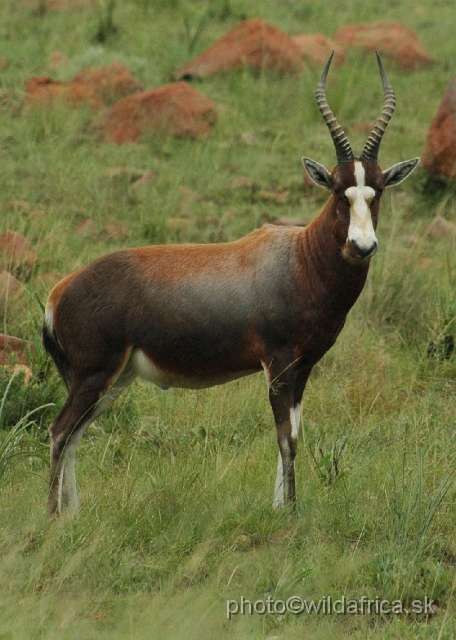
399, 172
318, 173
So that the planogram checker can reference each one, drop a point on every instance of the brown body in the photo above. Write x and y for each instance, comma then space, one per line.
209, 312
198, 315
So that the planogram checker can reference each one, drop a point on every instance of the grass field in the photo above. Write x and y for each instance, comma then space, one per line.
176, 488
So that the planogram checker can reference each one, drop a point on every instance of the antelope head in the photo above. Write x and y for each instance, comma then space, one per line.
357, 182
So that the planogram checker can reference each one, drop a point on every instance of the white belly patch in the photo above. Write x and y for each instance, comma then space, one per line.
146, 369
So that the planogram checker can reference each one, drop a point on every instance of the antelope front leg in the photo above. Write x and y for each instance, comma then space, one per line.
279, 494
287, 425
287, 413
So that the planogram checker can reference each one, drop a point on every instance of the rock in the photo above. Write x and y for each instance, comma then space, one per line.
316, 49
253, 43
115, 230
11, 344
16, 252
439, 155
9, 286
175, 109
440, 228
43, 91
393, 39
112, 82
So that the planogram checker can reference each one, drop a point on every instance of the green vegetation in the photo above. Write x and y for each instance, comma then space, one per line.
176, 487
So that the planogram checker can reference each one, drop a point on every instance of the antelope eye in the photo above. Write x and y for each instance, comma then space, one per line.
346, 201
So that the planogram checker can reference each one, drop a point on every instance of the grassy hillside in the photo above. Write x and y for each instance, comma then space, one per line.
176, 488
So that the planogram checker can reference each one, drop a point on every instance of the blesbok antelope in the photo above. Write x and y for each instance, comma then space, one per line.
195, 316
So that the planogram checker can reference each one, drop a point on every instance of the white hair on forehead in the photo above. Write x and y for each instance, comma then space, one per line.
360, 174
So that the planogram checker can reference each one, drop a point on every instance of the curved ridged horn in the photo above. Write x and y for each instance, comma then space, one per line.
344, 151
370, 151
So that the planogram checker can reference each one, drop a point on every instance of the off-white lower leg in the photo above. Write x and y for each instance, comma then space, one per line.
295, 419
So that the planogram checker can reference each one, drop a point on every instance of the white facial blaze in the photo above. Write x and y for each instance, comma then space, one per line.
361, 230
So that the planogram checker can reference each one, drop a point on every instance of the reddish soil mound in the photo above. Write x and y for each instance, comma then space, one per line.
46, 92
254, 43
176, 109
112, 82
439, 155
316, 49
392, 39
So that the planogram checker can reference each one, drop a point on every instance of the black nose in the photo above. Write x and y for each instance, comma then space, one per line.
364, 252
